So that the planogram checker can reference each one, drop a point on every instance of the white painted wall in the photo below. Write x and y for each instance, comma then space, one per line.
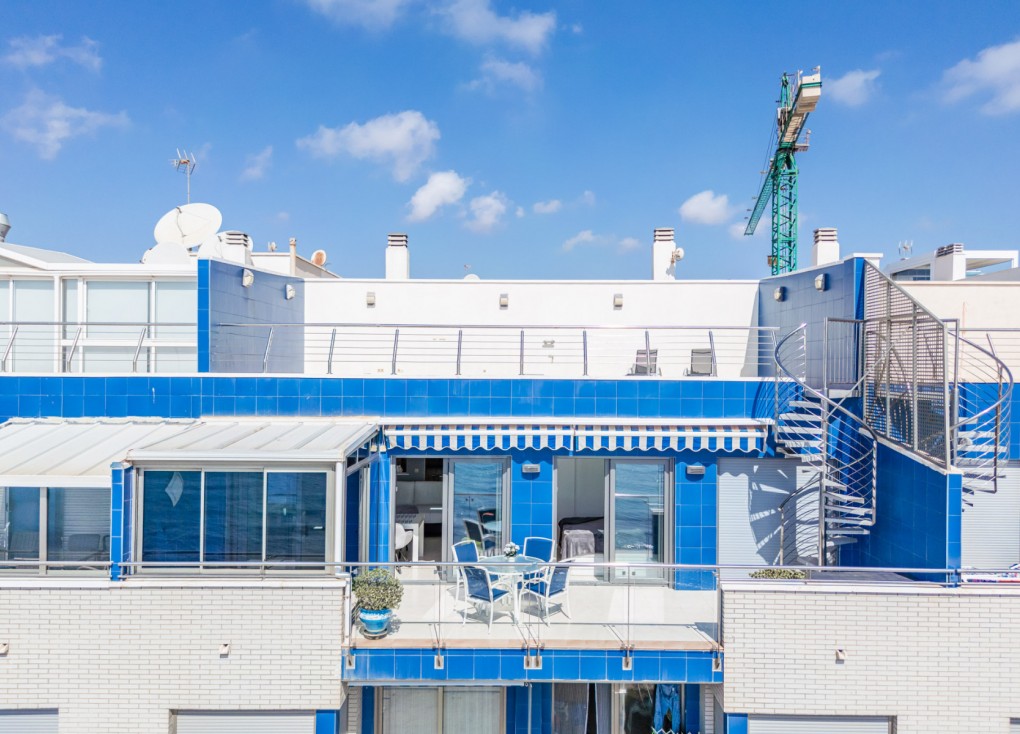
936, 659
119, 657
538, 307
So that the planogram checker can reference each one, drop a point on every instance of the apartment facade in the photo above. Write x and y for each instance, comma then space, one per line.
198, 459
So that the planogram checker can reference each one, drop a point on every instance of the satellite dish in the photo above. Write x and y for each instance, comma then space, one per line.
167, 253
319, 258
188, 225
212, 248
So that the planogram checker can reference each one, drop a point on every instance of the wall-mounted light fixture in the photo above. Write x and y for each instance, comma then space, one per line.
840, 655
530, 469
695, 470
504, 300
779, 293
224, 649
617, 301
289, 292
822, 282
370, 299
247, 278
5, 647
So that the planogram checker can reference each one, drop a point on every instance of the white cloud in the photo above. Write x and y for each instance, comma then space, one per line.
497, 71
588, 198
547, 207
629, 243
487, 212
853, 88
283, 216
476, 22
577, 29
442, 189
371, 14
996, 71
584, 237
44, 121
26, 52
520, 212
404, 140
706, 208
257, 165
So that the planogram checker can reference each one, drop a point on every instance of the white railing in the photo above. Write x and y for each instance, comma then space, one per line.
415, 350
97, 347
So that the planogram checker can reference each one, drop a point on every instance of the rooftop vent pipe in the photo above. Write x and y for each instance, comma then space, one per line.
398, 259
5, 227
826, 247
665, 254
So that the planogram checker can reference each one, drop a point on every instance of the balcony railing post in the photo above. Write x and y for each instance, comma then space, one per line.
7, 349
329, 360
396, 341
648, 354
584, 348
522, 353
711, 349
269, 344
460, 348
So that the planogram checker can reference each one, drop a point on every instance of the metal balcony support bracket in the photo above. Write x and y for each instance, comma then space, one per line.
628, 657
269, 344
329, 359
460, 348
74, 345
138, 348
396, 341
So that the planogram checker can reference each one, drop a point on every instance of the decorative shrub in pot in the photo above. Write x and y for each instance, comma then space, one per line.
378, 592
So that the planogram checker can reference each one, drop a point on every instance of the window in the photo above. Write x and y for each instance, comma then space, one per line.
62, 525
443, 710
234, 516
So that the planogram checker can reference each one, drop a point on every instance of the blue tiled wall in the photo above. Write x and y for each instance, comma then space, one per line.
692, 708
918, 517
380, 493
327, 722
192, 397
696, 520
843, 298
117, 520
541, 709
507, 664
222, 299
531, 496
352, 518
736, 724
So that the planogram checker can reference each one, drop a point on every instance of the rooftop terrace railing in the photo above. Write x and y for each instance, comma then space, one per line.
505, 350
97, 347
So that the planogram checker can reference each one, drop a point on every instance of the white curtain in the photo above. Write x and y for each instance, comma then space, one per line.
603, 708
408, 710
473, 710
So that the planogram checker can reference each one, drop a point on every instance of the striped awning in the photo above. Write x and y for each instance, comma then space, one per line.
731, 436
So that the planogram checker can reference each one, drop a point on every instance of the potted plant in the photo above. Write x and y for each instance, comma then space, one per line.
511, 549
379, 592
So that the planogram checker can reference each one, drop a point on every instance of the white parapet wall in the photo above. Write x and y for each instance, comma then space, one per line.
541, 308
121, 657
935, 659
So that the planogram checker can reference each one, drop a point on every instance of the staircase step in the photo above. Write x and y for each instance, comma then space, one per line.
844, 498
806, 404
800, 429
835, 533
849, 522
803, 443
859, 511
802, 417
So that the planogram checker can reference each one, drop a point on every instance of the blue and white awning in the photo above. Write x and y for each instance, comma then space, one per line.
696, 435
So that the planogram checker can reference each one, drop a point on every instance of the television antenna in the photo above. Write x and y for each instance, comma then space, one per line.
905, 249
185, 162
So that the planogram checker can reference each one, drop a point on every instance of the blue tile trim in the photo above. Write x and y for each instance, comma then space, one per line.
367, 710
117, 544
327, 722
203, 315
692, 708
736, 723
507, 664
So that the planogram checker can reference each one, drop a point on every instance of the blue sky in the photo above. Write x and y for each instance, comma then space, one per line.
518, 140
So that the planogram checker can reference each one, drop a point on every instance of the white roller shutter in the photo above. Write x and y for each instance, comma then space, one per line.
750, 492
403, 705
252, 722
991, 526
28, 722
818, 725
1014, 726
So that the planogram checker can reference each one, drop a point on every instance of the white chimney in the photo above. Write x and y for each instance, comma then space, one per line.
826, 248
293, 255
665, 255
5, 227
398, 259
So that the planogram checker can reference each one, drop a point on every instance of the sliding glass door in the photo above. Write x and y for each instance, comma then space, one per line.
638, 506
475, 504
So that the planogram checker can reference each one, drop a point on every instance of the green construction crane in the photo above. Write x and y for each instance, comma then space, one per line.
780, 184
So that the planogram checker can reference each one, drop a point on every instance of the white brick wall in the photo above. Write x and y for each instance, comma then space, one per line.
119, 657
937, 659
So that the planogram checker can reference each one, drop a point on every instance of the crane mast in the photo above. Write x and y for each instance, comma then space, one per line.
796, 101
